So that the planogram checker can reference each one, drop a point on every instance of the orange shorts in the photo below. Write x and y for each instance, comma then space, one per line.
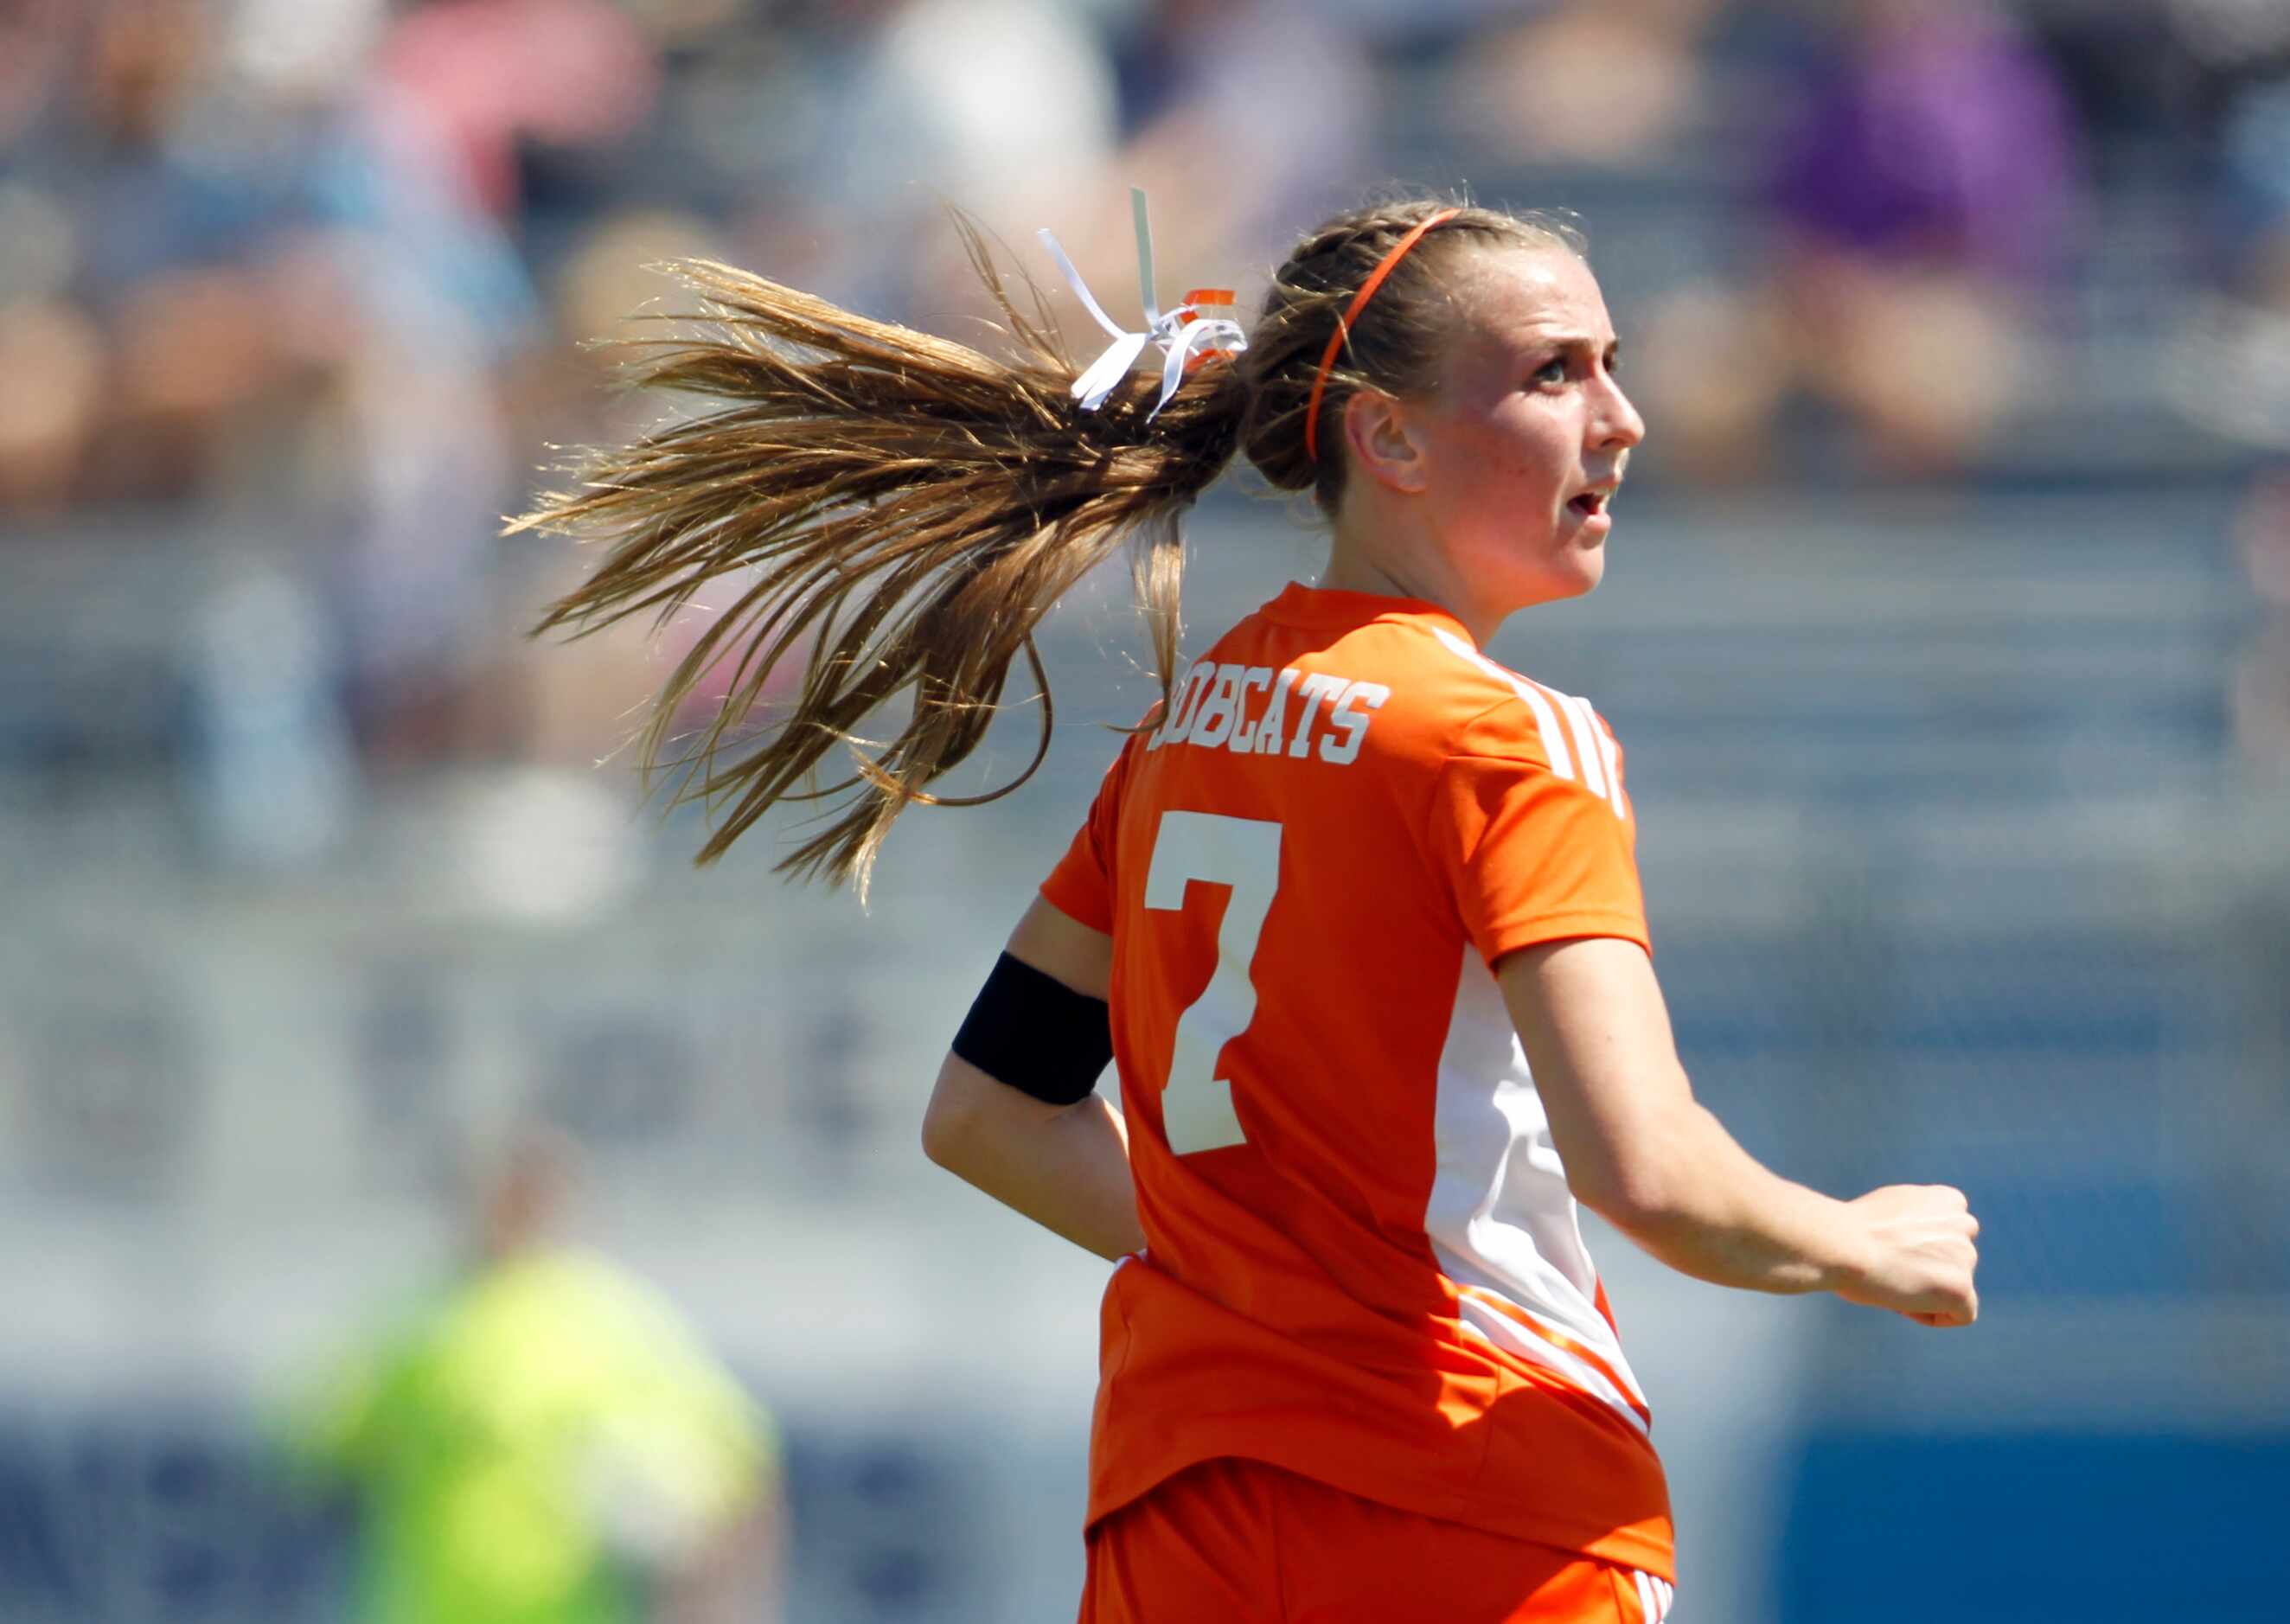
1235, 1542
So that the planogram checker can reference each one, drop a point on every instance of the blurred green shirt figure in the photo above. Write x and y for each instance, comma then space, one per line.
547, 1444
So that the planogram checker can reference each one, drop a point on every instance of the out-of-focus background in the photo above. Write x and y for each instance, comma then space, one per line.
1948, 626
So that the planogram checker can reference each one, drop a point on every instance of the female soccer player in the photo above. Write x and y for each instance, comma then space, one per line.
1356, 913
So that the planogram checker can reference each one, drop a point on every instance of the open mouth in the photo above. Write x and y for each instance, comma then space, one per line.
1589, 504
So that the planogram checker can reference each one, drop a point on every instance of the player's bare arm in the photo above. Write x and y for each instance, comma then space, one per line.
1064, 1166
1641, 1152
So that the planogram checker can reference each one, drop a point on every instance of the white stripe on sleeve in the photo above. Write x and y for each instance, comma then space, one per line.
1546, 721
1605, 736
1586, 740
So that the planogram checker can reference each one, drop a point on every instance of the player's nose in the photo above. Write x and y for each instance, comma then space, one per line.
1615, 424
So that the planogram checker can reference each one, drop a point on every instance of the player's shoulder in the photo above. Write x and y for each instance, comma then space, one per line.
1452, 699
1404, 689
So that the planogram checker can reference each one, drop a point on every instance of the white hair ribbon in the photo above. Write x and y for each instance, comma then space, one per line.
1182, 332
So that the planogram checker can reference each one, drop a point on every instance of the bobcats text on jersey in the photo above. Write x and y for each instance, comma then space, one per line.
1219, 708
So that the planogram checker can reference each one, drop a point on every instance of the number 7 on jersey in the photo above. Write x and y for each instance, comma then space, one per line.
1244, 853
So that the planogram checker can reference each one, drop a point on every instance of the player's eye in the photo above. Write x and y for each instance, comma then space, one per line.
1551, 371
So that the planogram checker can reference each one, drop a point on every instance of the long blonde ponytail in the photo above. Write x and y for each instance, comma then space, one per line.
912, 508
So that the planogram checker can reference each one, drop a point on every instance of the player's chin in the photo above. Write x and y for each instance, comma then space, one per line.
1584, 538
1581, 565
1557, 586
1560, 563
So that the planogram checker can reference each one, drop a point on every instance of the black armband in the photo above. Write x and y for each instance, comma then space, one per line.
1034, 1033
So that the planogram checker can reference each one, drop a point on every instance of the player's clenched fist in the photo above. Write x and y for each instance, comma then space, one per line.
1918, 1255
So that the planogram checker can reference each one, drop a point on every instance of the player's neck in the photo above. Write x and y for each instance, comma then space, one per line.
1370, 552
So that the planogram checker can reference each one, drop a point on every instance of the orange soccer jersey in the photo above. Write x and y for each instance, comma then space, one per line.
1363, 1264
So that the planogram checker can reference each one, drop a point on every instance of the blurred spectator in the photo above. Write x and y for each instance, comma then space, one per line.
44, 433
2257, 151
1927, 191
478, 76
32, 42
2232, 353
1601, 82
1002, 109
1243, 119
1925, 196
1264, 99
1934, 138
546, 1443
1237, 119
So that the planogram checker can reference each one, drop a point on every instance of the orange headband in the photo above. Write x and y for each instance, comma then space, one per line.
1344, 326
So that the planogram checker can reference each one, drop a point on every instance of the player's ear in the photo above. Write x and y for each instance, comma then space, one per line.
1385, 442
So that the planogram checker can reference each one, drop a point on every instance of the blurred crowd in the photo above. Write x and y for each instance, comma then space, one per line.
336, 258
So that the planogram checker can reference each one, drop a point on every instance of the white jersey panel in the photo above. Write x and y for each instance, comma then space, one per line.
1501, 1217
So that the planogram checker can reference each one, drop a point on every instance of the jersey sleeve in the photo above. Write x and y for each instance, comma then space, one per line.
1081, 886
1534, 853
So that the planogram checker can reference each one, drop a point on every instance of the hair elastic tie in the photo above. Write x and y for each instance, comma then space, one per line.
1187, 337
1344, 324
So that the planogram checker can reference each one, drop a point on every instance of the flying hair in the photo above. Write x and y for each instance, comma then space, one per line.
899, 511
